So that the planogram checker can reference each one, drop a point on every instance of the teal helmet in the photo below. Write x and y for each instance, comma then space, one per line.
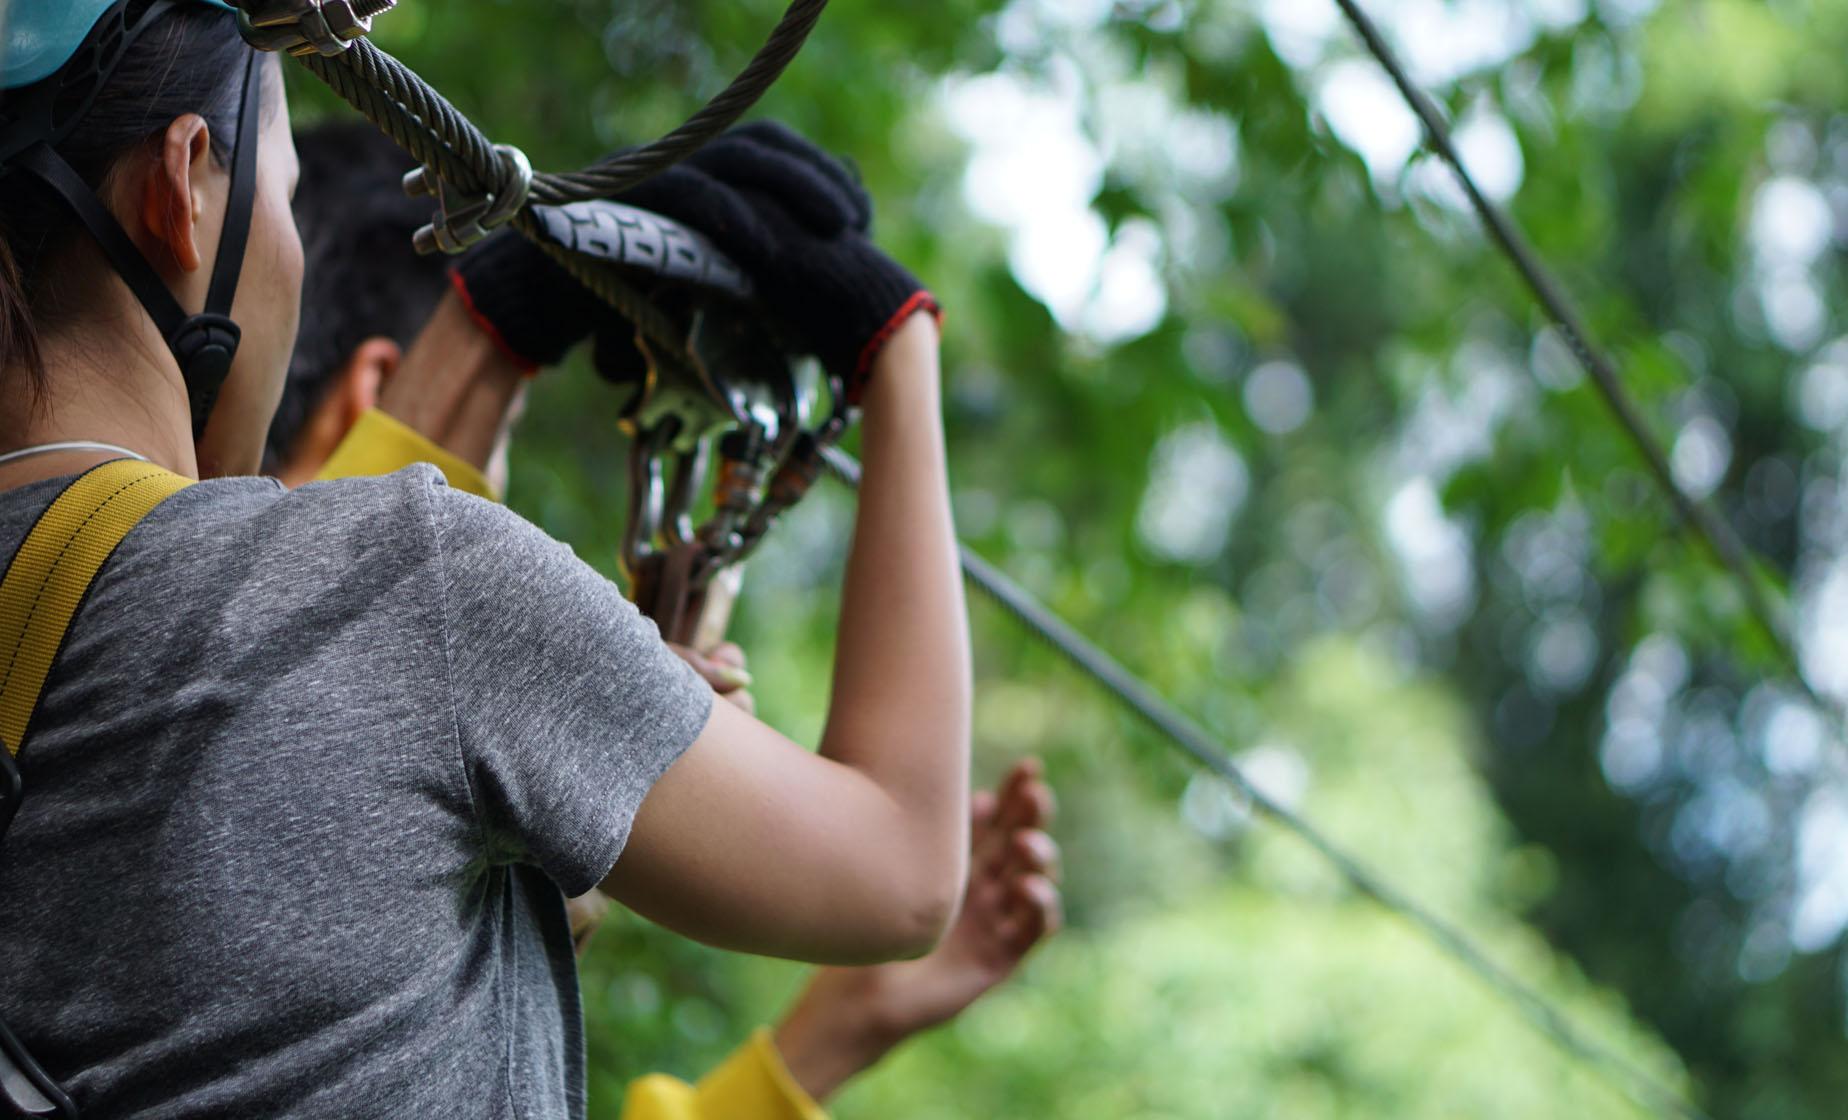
40, 36
56, 58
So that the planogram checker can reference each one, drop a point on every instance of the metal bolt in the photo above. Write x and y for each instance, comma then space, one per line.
420, 183
345, 21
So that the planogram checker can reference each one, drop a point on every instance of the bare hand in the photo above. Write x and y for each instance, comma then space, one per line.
723, 668
849, 1017
587, 912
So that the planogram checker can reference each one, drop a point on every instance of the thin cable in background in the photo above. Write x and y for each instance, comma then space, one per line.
1179, 730
1705, 521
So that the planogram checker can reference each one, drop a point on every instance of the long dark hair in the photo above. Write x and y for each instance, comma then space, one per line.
190, 62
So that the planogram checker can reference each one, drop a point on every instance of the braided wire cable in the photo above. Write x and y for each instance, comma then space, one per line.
1699, 516
625, 169
1181, 731
438, 135
406, 108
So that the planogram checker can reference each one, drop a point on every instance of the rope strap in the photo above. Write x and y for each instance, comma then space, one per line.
53, 570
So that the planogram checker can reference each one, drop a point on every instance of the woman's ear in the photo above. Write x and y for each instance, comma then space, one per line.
171, 200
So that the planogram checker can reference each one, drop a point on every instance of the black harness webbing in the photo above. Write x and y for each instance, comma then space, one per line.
203, 344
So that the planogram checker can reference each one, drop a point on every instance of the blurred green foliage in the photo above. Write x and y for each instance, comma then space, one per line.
1443, 605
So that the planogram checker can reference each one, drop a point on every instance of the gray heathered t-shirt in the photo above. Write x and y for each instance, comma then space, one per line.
303, 791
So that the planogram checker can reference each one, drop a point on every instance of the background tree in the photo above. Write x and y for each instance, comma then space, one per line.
1238, 386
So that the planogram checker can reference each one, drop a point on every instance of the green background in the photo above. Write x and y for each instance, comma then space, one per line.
1441, 610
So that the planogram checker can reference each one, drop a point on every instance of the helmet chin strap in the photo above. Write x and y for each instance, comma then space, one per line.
203, 344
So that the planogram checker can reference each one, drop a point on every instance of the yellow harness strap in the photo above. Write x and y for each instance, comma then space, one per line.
53, 570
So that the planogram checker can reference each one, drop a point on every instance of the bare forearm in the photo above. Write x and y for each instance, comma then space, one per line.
831, 1036
859, 855
456, 387
900, 710
751, 843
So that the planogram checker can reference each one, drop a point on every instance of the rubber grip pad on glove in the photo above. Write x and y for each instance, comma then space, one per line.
632, 238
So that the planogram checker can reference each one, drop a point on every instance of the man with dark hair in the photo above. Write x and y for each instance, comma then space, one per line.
366, 296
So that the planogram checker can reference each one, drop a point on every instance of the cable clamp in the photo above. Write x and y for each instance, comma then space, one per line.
304, 27
463, 219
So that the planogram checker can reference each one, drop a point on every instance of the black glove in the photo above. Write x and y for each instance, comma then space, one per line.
795, 220
533, 309
791, 216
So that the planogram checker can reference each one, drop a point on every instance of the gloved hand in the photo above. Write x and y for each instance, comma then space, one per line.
786, 212
795, 220
533, 309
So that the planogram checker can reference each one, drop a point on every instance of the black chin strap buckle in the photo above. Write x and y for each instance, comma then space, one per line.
205, 346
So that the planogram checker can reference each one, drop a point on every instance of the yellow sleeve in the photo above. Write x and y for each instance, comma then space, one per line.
752, 1084
382, 444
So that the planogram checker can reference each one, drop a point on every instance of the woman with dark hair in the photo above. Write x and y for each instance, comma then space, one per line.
299, 845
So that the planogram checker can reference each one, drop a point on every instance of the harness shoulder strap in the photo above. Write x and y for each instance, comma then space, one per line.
53, 570
44, 585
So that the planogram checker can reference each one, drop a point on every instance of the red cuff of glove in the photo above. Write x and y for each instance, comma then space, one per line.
525, 365
920, 301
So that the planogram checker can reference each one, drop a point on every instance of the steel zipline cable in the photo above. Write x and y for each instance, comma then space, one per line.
440, 136
437, 134
1182, 732
1700, 516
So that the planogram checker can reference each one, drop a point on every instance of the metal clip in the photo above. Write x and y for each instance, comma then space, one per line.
647, 495
303, 27
464, 220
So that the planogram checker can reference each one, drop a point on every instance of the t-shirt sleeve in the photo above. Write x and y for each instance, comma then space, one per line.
568, 704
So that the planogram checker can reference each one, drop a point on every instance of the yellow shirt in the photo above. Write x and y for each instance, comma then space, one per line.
380, 443
752, 1084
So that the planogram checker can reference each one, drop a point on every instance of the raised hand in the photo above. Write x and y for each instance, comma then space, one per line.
848, 1018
